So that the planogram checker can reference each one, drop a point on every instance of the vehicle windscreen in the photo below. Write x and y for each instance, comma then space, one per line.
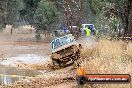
56, 43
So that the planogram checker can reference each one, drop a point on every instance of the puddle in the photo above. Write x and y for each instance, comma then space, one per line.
24, 47
11, 74
29, 59
23, 55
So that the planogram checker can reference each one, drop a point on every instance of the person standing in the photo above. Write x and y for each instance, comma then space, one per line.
87, 31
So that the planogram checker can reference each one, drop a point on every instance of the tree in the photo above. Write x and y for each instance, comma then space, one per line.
46, 16
124, 10
117, 9
9, 11
29, 10
72, 10
13, 7
21, 10
3, 12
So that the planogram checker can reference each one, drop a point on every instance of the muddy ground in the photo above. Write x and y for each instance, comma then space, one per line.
22, 51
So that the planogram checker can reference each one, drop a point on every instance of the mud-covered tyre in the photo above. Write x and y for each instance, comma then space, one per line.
77, 55
81, 80
55, 64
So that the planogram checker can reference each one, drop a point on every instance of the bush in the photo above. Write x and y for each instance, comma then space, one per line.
46, 16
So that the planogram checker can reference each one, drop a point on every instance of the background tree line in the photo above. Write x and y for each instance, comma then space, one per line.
110, 17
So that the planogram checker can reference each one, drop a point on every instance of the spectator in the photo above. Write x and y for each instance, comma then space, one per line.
87, 31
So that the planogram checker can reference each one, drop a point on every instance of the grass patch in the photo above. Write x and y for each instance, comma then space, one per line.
108, 57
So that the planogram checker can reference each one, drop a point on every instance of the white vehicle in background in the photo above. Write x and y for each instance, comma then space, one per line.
87, 25
91, 26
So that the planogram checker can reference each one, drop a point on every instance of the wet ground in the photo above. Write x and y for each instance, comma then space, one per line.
11, 49
11, 74
17, 50
19, 53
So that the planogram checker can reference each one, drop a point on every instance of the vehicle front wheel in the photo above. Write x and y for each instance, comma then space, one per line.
56, 65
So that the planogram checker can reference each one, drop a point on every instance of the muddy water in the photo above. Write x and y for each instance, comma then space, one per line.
11, 74
9, 49
16, 46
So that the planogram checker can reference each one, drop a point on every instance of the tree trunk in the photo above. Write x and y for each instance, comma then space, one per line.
4, 14
11, 30
126, 15
72, 15
68, 17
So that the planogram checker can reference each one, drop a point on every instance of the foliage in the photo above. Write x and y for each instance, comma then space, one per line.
46, 15
12, 11
109, 16
116, 14
27, 13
